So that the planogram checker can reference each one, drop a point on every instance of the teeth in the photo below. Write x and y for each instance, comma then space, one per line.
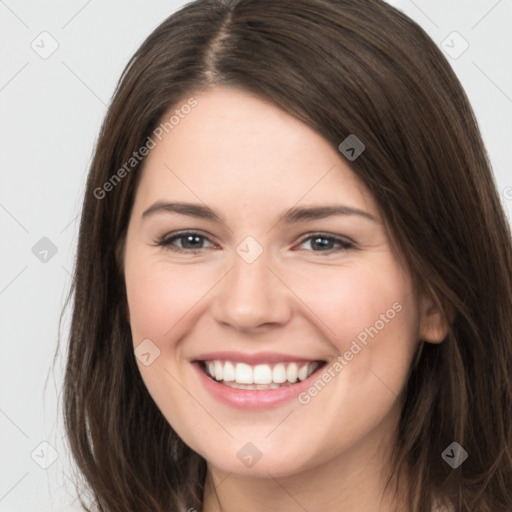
291, 373
228, 374
255, 386
279, 373
218, 370
260, 376
243, 374
303, 372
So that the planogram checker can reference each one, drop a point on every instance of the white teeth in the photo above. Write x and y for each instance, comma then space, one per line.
260, 376
303, 372
243, 374
218, 370
228, 374
255, 386
291, 373
279, 373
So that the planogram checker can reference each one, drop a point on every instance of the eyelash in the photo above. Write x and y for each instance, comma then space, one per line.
167, 241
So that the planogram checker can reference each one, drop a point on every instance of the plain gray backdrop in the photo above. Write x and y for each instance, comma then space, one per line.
61, 61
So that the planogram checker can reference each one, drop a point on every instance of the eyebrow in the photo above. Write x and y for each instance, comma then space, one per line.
290, 216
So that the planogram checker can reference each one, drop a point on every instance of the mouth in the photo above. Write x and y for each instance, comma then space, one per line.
259, 377
258, 381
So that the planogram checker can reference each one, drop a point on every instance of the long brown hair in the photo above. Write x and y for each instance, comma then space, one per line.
342, 67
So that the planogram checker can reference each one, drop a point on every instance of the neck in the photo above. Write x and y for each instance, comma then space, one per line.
352, 481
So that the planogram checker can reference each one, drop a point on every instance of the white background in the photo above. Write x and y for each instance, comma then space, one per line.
51, 111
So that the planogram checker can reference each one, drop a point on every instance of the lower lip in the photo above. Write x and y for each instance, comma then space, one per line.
250, 398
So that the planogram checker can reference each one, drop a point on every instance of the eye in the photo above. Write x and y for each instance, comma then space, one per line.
192, 241
320, 242
189, 241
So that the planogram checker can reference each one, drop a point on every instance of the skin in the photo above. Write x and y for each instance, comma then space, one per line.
249, 161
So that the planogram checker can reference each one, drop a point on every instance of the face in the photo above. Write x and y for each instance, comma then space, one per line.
254, 255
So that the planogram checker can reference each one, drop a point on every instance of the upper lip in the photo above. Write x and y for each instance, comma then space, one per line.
252, 359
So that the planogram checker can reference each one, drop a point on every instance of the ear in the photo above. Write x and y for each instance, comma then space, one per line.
435, 318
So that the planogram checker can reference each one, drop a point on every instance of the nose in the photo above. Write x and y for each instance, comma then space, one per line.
252, 296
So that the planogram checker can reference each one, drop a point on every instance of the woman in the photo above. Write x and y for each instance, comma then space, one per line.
293, 283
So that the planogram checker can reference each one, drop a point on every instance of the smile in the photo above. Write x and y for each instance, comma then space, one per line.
260, 376
255, 381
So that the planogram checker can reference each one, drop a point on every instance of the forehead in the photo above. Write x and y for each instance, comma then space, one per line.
237, 146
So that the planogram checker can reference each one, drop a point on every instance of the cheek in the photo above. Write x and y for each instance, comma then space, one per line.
361, 303
369, 316
162, 301
160, 297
